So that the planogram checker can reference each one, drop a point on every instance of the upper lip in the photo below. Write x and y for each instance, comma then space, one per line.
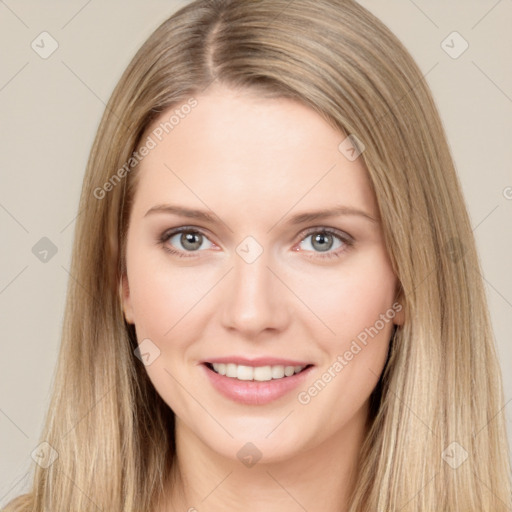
258, 361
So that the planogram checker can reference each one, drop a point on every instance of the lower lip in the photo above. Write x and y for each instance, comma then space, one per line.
251, 392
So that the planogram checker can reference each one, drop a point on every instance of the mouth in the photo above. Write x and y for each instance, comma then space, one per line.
262, 373
249, 384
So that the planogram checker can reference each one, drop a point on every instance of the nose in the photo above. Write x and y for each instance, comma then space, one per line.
255, 299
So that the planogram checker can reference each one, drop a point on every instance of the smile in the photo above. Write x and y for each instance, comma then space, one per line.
258, 373
255, 385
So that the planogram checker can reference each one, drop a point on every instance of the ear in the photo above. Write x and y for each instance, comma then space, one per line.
124, 295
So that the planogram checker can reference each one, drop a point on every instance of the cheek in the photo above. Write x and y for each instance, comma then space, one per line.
350, 297
357, 306
162, 294
163, 298
354, 303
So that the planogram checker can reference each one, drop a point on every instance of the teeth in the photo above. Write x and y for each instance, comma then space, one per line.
258, 373
277, 372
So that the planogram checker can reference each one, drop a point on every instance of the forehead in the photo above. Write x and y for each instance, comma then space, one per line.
251, 150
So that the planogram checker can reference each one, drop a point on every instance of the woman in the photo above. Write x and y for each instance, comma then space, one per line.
221, 355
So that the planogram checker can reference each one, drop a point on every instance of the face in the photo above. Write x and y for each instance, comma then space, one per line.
297, 309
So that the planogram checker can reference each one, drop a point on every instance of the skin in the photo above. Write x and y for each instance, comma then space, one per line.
254, 162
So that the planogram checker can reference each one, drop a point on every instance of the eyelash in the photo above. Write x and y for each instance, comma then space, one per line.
346, 239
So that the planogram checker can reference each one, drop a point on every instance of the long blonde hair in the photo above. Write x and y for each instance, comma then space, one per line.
437, 439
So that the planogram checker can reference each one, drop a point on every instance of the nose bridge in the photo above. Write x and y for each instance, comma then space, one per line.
252, 302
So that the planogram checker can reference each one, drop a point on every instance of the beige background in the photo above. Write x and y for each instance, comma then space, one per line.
50, 109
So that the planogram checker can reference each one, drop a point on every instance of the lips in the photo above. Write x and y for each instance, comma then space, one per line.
255, 381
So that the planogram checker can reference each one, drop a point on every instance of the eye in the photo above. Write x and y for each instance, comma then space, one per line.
322, 240
186, 239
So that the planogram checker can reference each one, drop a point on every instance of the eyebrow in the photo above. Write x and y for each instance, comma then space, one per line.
300, 218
